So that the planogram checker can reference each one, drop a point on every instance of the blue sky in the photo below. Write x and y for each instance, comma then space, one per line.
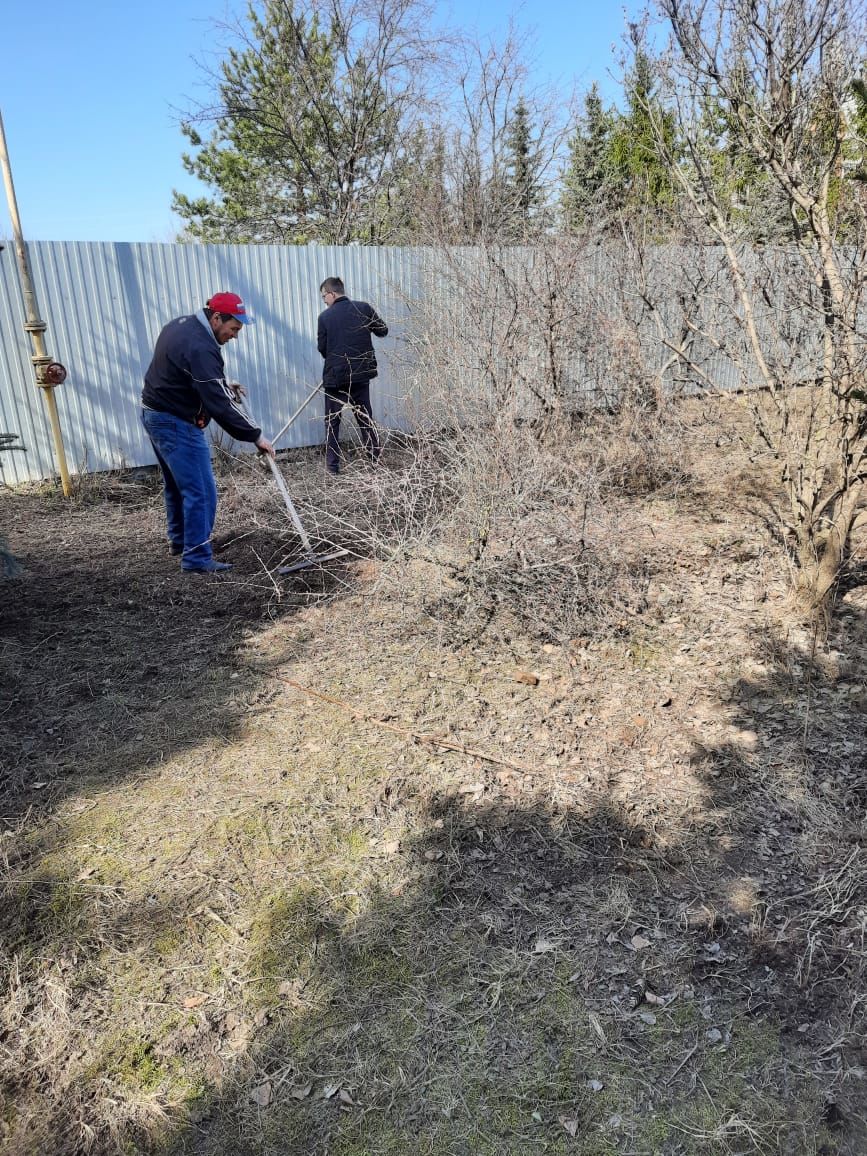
90, 93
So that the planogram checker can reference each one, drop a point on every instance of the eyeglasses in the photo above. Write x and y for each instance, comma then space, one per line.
326, 294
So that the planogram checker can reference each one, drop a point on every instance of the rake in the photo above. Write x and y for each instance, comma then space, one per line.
310, 559
304, 404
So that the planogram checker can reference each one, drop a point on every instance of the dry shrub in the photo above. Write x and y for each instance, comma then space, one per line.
391, 511
637, 450
527, 408
529, 404
511, 516
634, 435
533, 547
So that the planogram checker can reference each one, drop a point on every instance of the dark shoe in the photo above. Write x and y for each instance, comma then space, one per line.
333, 471
211, 567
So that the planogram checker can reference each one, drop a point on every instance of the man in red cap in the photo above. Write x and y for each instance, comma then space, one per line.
184, 387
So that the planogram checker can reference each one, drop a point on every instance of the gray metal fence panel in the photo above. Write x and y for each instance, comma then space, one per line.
105, 303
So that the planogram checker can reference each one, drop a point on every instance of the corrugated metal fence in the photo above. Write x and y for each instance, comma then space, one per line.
468, 319
105, 303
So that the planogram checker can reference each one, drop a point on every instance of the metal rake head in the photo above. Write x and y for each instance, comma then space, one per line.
312, 561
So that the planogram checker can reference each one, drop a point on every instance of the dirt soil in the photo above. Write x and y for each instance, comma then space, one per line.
290, 865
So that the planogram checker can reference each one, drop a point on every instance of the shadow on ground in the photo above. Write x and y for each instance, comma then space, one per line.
569, 979
554, 972
544, 980
111, 658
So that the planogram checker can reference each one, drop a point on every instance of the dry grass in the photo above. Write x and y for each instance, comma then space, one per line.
239, 918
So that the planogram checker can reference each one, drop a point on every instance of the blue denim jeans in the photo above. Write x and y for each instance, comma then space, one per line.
358, 397
190, 490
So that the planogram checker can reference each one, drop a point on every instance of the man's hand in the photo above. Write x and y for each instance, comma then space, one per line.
264, 446
237, 389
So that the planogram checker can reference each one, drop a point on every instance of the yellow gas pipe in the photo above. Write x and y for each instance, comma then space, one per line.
49, 373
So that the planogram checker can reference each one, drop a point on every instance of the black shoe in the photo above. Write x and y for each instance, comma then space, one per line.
212, 567
176, 548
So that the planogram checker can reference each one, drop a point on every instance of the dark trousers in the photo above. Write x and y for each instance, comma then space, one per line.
358, 397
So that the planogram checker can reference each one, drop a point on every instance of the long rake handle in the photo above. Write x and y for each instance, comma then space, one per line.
293, 513
295, 415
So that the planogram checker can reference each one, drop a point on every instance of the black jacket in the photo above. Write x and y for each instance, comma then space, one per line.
187, 378
343, 338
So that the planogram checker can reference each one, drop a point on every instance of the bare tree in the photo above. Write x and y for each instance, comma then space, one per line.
500, 141
777, 76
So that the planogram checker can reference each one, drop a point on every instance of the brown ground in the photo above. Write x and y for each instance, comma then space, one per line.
618, 907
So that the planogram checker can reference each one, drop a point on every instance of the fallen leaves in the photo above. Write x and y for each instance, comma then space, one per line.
266, 1093
570, 1125
262, 1094
344, 1098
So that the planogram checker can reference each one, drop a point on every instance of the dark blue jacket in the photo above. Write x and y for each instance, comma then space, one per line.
343, 338
187, 378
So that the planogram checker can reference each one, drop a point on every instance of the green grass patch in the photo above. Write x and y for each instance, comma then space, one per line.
286, 929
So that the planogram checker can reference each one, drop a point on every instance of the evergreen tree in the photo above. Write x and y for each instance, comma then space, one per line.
748, 197
587, 179
643, 146
308, 142
521, 192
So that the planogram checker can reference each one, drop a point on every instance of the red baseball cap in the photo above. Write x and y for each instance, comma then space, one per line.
230, 303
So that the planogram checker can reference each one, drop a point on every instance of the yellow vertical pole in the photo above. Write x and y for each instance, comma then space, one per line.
33, 324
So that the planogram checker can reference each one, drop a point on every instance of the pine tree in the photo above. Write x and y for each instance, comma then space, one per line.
749, 199
643, 146
521, 192
308, 143
587, 180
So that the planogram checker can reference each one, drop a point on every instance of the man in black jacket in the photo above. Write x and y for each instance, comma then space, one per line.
344, 340
185, 386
